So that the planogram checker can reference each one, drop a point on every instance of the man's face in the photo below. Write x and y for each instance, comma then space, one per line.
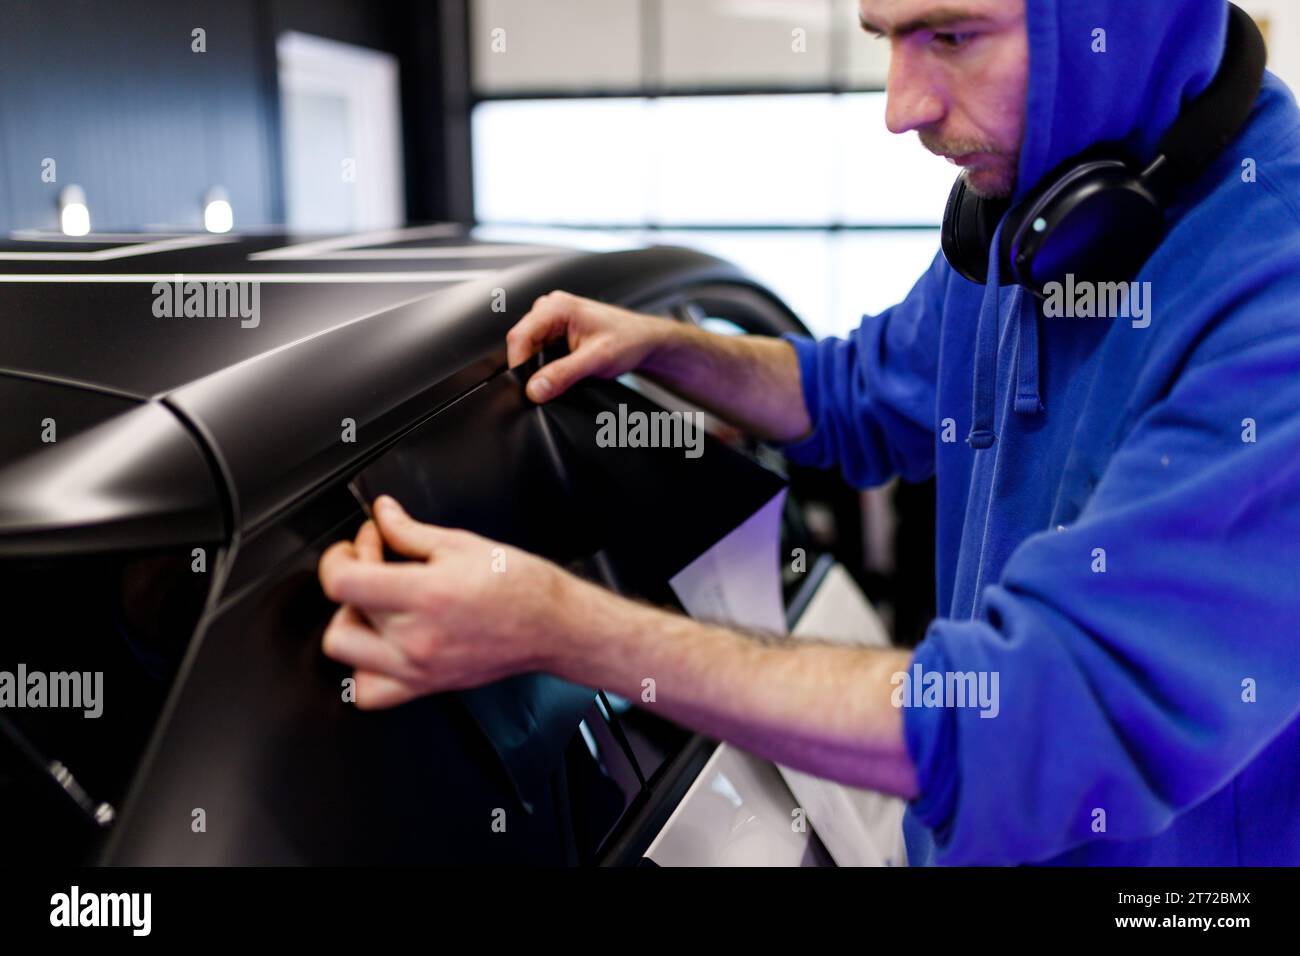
958, 75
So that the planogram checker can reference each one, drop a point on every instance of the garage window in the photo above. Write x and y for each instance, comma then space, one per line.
720, 126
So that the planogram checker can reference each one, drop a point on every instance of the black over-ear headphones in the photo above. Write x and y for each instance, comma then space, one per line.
1096, 216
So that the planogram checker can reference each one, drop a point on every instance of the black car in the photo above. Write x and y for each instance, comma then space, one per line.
186, 419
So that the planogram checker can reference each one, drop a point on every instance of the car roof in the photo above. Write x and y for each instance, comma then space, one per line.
95, 304
379, 330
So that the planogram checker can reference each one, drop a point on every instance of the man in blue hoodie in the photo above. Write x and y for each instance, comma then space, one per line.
1118, 500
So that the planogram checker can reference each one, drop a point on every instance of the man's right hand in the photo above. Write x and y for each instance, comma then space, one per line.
605, 341
751, 381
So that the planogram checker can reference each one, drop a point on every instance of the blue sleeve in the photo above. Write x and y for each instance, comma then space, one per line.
871, 397
1143, 688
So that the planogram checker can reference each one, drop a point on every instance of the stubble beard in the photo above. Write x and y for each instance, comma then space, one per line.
1001, 186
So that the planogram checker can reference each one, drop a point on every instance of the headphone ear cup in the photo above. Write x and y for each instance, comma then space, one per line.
961, 240
1006, 251
1098, 223
969, 223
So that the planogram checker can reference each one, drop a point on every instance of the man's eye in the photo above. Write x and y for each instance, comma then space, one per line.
953, 41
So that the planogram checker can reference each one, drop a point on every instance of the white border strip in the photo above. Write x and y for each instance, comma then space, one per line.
46, 235
484, 250
309, 250
119, 252
462, 275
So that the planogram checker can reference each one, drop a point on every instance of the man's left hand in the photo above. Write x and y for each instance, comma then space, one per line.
466, 612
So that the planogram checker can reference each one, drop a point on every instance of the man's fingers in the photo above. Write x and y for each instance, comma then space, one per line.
377, 691
340, 550
370, 548
369, 543
555, 378
335, 557
404, 534
350, 640
374, 586
546, 321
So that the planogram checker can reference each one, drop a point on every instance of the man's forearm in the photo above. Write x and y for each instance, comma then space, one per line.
821, 708
748, 380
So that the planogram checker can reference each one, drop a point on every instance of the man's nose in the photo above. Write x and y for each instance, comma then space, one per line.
913, 100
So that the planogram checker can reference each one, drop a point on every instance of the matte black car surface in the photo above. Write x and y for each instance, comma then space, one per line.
168, 537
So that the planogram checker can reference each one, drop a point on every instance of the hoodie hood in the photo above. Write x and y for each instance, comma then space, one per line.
1100, 71
1157, 56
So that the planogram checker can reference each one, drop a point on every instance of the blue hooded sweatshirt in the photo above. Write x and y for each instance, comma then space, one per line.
1118, 501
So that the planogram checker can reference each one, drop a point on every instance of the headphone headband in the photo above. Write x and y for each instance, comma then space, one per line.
1211, 121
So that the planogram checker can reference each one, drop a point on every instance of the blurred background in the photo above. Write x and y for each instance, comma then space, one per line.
749, 128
